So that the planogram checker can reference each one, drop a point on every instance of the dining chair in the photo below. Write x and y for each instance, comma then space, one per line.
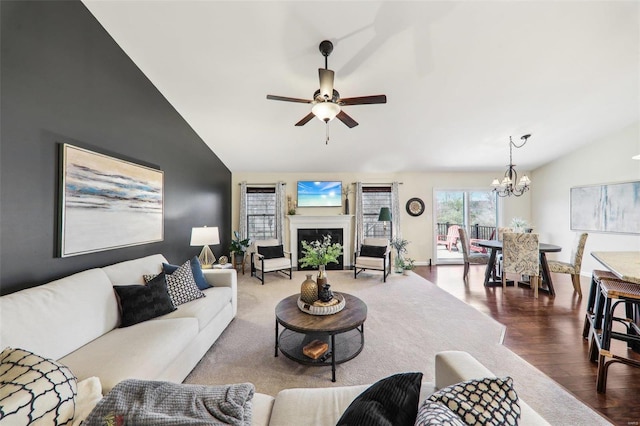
521, 255
501, 232
572, 267
470, 258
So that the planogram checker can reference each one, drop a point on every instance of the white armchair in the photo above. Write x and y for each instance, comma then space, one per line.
269, 256
374, 254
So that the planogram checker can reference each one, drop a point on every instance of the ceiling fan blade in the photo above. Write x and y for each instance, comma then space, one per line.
362, 100
326, 83
346, 119
305, 120
286, 99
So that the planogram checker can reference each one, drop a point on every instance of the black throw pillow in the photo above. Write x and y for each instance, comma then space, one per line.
140, 303
372, 251
271, 252
392, 401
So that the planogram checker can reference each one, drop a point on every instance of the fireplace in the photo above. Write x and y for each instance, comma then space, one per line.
334, 223
317, 234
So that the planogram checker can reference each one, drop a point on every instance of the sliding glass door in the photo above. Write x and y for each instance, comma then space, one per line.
474, 210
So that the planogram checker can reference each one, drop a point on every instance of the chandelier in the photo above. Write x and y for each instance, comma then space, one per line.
510, 185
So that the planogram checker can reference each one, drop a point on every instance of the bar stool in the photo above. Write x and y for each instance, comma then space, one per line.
612, 293
596, 276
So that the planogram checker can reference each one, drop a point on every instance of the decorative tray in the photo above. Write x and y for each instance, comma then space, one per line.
333, 306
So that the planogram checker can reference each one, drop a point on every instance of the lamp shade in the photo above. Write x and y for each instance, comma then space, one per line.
325, 111
385, 214
204, 236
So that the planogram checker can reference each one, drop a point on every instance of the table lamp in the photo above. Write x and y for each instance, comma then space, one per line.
203, 237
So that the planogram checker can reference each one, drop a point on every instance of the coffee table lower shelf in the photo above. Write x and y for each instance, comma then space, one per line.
342, 347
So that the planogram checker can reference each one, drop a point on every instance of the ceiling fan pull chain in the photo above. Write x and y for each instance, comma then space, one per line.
326, 142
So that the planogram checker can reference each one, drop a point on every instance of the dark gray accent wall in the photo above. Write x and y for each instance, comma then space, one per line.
64, 79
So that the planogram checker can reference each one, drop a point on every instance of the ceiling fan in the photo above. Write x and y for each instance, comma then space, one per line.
327, 103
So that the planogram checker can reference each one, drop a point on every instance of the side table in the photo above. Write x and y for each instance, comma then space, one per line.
237, 264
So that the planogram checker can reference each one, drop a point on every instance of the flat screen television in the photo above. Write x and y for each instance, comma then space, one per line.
319, 193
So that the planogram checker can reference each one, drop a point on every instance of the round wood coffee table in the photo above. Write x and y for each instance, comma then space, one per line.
342, 331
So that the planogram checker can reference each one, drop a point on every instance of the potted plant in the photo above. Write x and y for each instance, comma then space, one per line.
319, 253
400, 245
408, 264
239, 247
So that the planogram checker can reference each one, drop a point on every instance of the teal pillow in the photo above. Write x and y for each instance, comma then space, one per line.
196, 268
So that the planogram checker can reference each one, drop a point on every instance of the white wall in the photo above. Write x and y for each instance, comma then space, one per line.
607, 160
418, 230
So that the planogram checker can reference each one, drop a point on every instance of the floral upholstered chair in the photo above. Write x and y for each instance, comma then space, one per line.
520, 255
470, 258
574, 266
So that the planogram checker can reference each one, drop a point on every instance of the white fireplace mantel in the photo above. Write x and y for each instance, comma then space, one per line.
343, 222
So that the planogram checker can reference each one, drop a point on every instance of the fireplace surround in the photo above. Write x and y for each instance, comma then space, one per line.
310, 225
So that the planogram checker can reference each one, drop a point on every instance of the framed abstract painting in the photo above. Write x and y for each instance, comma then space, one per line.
606, 208
107, 203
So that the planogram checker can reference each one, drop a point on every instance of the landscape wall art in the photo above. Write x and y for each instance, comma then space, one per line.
107, 203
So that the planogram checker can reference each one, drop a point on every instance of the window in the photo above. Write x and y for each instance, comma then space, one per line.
474, 210
373, 198
261, 213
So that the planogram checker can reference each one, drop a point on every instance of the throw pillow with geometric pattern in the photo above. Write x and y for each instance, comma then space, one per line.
182, 286
488, 401
35, 390
436, 414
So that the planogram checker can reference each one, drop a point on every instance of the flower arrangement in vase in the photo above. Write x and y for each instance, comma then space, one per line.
320, 253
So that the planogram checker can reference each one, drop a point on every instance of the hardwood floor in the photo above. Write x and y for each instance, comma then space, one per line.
548, 334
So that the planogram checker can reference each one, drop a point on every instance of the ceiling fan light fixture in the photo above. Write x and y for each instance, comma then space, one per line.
326, 111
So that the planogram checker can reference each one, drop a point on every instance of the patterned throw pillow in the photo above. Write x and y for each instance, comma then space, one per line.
488, 401
140, 303
436, 414
196, 268
35, 390
182, 287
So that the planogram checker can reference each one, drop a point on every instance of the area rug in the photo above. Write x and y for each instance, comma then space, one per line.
408, 320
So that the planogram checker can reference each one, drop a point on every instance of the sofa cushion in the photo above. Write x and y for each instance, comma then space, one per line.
204, 309
437, 414
390, 401
312, 406
57, 318
35, 390
144, 351
274, 264
131, 271
181, 285
196, 268
486, 401
143, 302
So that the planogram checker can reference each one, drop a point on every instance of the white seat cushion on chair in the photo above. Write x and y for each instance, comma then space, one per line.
274, 264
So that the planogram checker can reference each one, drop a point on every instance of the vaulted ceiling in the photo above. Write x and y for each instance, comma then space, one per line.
460, 78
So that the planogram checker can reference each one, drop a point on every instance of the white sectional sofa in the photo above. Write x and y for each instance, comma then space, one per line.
324, 406
75, 320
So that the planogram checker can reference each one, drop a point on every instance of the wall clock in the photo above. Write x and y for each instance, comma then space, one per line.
415, 206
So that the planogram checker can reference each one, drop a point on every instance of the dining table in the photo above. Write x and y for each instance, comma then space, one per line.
495, 247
